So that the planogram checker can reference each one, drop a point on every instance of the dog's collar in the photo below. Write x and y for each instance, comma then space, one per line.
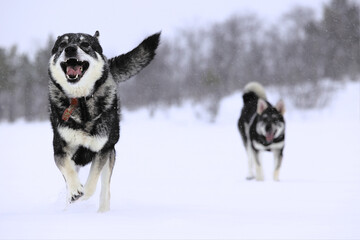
67, 113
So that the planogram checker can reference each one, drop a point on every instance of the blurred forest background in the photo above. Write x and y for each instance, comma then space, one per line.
202, 66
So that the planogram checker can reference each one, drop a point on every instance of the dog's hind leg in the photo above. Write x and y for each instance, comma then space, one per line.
105, 183
278, 160
96, 167
68, 169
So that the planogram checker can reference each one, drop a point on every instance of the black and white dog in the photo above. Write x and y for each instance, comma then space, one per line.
262, 128
84, 109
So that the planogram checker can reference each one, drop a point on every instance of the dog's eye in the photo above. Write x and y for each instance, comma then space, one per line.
62, 44
84, 45
276, 120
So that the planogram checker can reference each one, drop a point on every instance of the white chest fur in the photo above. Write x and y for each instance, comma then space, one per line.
274, 146
77, 138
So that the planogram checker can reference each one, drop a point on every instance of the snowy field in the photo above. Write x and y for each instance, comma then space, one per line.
179, 177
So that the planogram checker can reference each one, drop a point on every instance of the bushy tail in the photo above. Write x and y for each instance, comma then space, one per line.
127, 65
253, 91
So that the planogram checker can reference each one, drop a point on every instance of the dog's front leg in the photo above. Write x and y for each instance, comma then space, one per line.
68, 169
259, 171
278, 156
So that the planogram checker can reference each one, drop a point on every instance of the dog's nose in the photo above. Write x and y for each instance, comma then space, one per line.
268, 127
70, 50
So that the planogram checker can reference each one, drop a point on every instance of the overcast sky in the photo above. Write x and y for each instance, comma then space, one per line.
124, 24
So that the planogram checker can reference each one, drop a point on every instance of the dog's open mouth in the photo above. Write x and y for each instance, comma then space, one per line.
74, 69
270, 136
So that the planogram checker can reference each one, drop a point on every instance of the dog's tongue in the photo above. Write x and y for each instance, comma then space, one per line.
269, 136
73, 71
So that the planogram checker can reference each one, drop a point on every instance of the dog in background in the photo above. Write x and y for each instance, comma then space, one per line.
84, 109
262, 128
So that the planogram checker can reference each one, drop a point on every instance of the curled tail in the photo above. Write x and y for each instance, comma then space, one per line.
253, 91
127, 65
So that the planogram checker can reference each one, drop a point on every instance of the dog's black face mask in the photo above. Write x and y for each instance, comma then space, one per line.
87, 43
270, 123
72, 45
77, 63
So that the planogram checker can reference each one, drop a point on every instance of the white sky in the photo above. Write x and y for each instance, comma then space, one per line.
124, 24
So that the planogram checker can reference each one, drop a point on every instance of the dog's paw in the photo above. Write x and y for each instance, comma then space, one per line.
89, 190
250, 178
103, 209
85, 196
276, 179
75, 194
260, 179
276, 176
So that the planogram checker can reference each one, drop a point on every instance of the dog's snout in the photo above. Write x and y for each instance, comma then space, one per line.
70, 50
268, 127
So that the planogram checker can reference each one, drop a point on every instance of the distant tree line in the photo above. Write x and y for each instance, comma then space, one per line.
205, 65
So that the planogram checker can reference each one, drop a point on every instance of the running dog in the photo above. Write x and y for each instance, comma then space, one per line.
262, 128
84, 108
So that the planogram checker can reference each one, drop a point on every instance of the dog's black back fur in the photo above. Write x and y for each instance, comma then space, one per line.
250, 100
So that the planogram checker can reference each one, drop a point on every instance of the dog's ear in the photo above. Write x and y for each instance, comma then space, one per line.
261, 106
280, 106
55, 48
97, 34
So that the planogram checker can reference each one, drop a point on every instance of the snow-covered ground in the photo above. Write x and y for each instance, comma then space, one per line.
179, 177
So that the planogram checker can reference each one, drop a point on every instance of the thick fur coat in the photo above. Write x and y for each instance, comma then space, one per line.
84, 108
262, 128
